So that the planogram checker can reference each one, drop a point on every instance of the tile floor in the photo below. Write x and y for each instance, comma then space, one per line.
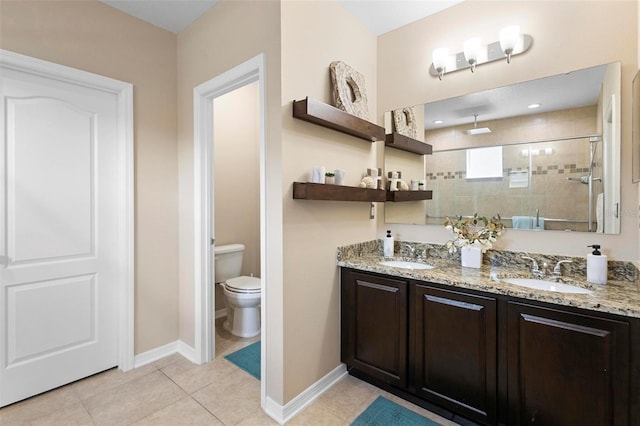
173, 391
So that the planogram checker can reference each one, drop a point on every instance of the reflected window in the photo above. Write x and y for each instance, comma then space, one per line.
484, 162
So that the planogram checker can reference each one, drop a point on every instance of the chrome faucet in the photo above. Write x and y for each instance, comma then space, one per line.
412, 250
557, 270
535, 268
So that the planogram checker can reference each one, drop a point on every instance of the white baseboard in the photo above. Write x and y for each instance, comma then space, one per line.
163, 351
282, 414
221, 313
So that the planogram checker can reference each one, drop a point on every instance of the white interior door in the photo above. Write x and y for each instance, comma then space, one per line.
58, 233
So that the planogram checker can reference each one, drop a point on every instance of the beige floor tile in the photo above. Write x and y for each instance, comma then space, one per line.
75, 415
161, 363
227, 343
185, 412
109, 379
192, 377
38, 406
258, 418
234, 402
348, 398
134, 400
317, 415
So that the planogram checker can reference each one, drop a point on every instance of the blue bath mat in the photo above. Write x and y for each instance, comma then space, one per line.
247, 358
383, 412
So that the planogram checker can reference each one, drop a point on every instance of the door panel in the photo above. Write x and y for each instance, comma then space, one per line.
54, 176
377, 327
588, 357
455, 358
59, 215
66, 317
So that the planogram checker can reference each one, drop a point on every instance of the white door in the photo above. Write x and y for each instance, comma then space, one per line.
58, 233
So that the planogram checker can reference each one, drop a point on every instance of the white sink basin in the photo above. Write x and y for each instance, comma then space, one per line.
545, 285
405, 264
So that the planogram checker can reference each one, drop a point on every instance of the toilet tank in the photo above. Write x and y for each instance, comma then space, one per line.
228, 261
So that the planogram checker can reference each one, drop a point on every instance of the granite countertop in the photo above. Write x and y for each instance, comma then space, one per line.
618, 296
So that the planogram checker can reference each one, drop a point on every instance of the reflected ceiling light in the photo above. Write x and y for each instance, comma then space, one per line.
511, 43
477, 130
534, 106
438, 121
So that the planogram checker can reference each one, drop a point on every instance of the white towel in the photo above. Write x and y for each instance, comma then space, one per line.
599, 212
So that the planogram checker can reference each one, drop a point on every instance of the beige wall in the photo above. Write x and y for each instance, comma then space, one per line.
313, 229
91, 36
236, 154
227, 35
404, 58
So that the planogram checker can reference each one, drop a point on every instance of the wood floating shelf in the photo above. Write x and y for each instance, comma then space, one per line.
405, 143
328, 192
328, 116
397, 196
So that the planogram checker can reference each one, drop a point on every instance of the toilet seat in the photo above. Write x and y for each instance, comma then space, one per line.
244, 285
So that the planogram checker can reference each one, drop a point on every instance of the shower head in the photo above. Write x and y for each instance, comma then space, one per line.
477, 130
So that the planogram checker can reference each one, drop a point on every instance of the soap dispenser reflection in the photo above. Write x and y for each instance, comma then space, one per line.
388, 245
596, 266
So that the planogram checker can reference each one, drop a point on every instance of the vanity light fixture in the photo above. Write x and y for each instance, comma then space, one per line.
511, 43
440, 57
471, 51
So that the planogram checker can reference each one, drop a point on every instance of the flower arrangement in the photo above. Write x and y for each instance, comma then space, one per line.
476, 231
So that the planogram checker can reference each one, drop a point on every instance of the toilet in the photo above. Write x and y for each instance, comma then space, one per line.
241, 293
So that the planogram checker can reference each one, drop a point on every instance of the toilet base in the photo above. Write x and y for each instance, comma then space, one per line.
242, 322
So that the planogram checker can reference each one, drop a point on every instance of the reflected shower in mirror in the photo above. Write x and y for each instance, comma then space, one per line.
555, 167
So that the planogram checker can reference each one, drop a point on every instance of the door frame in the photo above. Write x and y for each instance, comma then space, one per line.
250, 71
125, 260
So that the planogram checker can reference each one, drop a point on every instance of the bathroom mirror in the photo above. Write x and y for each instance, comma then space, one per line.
554, 166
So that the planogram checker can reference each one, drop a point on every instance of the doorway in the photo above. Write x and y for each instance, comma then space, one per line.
247, 73
236, 190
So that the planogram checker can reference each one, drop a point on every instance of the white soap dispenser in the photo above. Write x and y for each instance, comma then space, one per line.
388, 245
596, 266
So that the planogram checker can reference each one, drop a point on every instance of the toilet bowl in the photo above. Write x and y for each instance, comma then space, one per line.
242, 294
242, 297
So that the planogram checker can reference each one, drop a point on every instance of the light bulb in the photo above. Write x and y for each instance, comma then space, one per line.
509, 37
471, 50
440, 56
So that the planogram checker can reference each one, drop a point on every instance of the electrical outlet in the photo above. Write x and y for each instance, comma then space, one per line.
372, 211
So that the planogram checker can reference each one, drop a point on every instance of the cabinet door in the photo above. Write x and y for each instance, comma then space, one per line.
375, 312
454, 351
566, 368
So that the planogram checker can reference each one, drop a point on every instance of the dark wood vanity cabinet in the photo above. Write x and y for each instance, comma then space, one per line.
490, 359
566, 368
454, 351
374, 321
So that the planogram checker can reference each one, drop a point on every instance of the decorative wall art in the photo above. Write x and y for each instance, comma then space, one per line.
349, 92
404, 122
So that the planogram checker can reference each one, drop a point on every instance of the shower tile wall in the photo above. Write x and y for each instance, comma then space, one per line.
548, 189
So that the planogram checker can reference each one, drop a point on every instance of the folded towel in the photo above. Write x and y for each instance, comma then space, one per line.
521, 222
599, 212
528, 222
537, 224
